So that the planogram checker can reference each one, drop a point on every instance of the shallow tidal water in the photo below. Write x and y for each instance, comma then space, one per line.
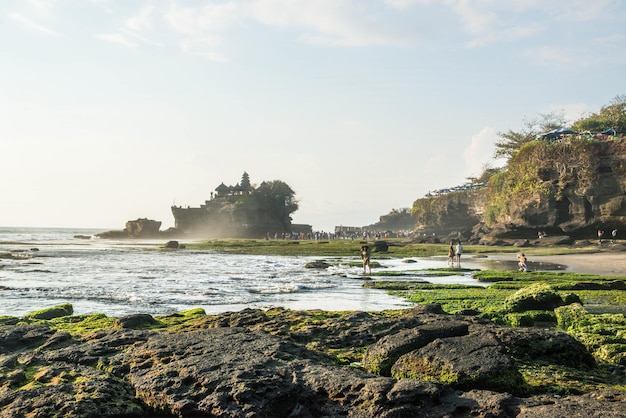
46, 267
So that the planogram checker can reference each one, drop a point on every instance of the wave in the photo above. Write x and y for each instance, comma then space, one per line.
286, 288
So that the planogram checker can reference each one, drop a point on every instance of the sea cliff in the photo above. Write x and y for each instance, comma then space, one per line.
574, 188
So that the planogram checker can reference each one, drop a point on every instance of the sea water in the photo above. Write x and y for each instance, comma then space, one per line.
42, 267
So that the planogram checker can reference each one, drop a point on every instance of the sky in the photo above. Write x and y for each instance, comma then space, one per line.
113, 110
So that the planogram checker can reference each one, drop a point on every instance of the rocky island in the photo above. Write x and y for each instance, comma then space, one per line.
241, 211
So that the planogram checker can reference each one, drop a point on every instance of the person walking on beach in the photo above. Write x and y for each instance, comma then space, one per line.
365, 257
458, 252
613, 236
451, 255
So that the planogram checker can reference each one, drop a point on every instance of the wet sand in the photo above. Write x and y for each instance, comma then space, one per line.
609, 264
605, 263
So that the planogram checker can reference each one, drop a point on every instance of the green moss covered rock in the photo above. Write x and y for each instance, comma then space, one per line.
58, 311
537, 297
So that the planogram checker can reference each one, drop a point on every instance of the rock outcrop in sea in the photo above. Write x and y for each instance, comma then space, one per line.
276, 363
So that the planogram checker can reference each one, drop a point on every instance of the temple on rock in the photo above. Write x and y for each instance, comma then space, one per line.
240, 211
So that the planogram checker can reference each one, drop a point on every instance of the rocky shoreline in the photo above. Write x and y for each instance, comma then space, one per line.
419, 362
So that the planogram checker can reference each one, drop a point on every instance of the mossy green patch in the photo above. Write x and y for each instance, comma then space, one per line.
455, 298
556, 379
82, 324
529, 318
65, 309
181, 319
603, 334
9, 320
537, 296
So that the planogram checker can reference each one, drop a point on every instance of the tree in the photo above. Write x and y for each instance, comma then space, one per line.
278, 199
486, 174
511, 141
611, 116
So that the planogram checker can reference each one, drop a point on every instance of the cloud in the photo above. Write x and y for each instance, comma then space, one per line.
140, 38
576, 11
205, 29
21, 19
508, 34
571, 112
141, 21
405, 4
116, 38
42, 5
475, 20
198, 21
560, 58
333, 22
480, 151
205, 47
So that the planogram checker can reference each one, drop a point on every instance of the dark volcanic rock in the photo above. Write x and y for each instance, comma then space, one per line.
143, 228
317, 264
258, 363
601, 404
541, 344
172, 245
135, 321
477, 360
219, 372
14, 338
381, 356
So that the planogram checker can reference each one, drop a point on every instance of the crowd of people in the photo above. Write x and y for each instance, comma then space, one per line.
351, 235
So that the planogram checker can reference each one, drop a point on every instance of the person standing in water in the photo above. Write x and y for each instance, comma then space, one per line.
451, 255
458, 252
521, 262
365, 257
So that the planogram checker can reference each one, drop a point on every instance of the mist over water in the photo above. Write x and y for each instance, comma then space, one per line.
46, 267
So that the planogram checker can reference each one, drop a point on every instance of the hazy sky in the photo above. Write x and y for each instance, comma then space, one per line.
112, 110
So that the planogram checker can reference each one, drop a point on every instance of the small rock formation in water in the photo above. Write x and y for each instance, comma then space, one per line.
139, 228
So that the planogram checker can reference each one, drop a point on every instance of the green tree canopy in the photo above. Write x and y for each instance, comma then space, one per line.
278, 198
511, 141
611, 116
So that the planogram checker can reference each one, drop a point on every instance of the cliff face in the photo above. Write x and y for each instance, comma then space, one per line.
570, 188
454, 213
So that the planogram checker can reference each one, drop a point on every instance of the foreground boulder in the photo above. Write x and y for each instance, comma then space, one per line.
258, 363
477, 360
381, 356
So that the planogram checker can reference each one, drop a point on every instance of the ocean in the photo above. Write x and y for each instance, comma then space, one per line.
43, 267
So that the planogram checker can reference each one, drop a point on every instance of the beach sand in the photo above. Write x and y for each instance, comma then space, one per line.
604, 263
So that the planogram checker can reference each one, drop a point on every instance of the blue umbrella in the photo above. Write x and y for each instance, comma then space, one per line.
610, 132
558, 132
